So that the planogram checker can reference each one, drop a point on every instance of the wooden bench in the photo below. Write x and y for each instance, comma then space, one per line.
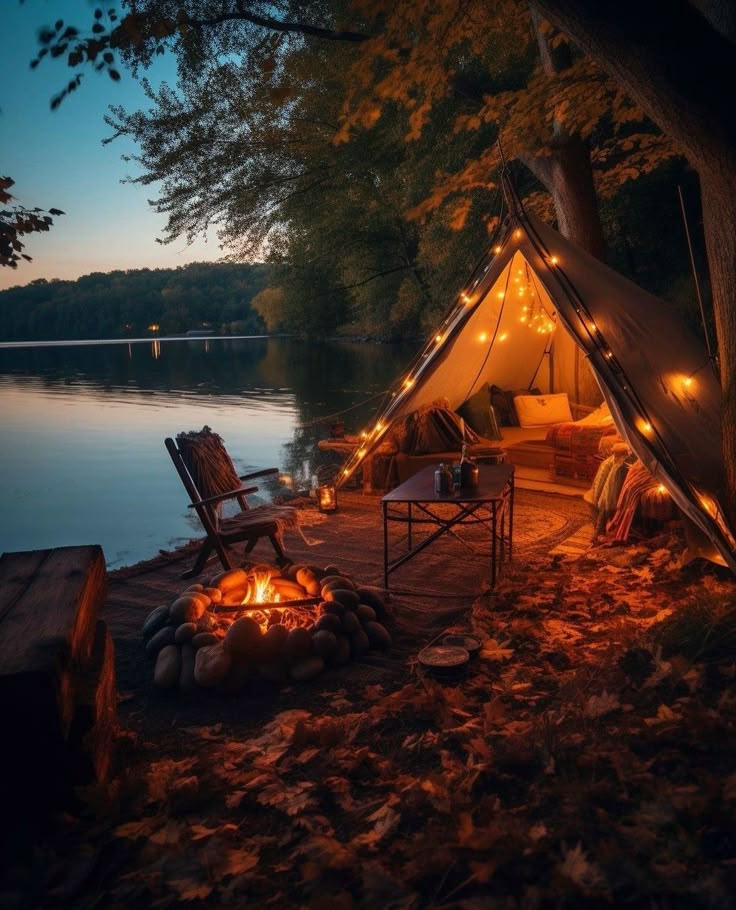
57, 677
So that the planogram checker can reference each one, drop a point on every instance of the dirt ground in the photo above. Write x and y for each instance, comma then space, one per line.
585, 758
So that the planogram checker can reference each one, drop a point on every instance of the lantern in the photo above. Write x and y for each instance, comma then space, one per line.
327, 497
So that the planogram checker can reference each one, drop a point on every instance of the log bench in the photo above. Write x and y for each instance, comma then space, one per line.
57, 677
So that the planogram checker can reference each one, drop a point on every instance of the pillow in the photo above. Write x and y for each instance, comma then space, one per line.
511, 398
542, 410
500, 405
601, 417
476, 412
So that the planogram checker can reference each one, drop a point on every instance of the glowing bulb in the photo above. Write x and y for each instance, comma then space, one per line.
503, 336
364, 435
644, 426
687, 381
520, 271
608, 355
500, 295
522, 318
483, 337
438, 338
554, 260
346, 472
379, 427
496, 249
592, 326
466, 298
517, 234
408, 383
361, 452
661, 488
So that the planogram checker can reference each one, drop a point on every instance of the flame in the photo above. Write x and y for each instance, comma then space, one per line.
274, 610
260, 589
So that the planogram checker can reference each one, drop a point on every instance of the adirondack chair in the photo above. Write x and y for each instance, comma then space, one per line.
209, 477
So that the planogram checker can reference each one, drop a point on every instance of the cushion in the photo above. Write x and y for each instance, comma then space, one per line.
439, 430
500, 405
476, 412
542, 410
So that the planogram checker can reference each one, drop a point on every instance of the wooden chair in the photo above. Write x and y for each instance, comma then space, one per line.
209, 477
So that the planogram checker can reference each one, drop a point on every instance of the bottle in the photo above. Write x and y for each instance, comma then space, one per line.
442, 480
468, 469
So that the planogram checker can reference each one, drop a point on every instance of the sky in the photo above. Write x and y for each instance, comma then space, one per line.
58, 161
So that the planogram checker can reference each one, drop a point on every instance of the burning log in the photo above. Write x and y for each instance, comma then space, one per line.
266, 623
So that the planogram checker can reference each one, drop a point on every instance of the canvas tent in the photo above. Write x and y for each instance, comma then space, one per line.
532, 301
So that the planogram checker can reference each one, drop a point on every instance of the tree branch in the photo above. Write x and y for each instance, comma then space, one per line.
278, 25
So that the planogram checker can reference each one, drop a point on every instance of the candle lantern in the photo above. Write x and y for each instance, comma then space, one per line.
327, 497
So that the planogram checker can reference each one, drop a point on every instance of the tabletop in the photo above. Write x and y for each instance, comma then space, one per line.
492, 481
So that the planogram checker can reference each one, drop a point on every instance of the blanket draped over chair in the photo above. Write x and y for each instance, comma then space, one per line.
213, 472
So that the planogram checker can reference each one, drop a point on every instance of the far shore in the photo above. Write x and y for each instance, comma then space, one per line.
352, 339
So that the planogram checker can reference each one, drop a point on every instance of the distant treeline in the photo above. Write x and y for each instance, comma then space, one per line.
214, 296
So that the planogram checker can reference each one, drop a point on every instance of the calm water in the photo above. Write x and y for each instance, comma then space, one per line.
81, 447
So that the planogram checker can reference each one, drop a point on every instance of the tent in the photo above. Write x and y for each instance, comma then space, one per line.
533, 300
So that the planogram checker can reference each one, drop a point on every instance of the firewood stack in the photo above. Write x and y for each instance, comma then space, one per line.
57, 679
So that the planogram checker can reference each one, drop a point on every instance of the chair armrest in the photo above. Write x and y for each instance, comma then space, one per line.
221, 497
264, 473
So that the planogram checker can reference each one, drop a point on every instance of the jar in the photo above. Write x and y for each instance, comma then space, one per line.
443, 480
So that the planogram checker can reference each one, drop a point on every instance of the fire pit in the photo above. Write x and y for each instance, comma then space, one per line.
263, 623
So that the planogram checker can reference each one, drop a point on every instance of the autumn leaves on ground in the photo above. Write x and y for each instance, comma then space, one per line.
586, 758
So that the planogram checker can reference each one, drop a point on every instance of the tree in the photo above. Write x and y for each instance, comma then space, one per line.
679, 65
16, 222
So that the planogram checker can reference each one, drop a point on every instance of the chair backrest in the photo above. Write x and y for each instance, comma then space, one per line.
205, 469
209, 465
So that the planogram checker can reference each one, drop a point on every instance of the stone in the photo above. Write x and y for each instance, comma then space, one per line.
155, 621
211, 665
168, 667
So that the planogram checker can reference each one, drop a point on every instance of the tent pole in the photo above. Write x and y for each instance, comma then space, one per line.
695, 275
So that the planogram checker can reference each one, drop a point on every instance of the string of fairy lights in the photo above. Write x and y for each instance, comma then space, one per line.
534, 316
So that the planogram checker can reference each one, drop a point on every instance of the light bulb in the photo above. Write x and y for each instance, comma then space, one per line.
483, 337
496, 249
554, 260
503, 336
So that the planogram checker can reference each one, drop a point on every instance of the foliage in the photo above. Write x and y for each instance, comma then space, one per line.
311, 133
114, 304
571, 767
16, 222
269, 304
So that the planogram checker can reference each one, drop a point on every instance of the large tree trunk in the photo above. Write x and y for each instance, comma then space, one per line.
681, 71
566, 172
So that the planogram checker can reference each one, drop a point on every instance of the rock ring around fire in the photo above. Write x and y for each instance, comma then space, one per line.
263, 623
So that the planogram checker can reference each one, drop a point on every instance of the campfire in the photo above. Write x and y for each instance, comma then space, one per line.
263, 601
264, 623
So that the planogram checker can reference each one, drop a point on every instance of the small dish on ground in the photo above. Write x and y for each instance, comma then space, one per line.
443, 658
471, 643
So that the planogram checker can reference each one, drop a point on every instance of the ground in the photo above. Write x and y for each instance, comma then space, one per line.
585, 758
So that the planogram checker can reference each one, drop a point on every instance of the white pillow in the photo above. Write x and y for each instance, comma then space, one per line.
542, 410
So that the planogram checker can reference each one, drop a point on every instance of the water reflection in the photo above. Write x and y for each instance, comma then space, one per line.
84, 425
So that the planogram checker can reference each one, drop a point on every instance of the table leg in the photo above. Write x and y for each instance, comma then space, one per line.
385, 546
511, 519
493, 543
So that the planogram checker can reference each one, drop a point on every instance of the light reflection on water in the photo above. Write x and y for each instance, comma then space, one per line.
83, 426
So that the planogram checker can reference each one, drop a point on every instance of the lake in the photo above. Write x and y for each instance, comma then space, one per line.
83, 425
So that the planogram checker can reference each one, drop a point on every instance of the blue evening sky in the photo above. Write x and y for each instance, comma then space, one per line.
58, 161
